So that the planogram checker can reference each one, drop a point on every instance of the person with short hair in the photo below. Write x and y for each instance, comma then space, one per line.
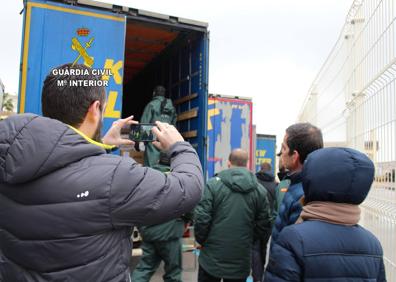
327, 243
267, 179
300, 140
259, 251
232, 213
67, 208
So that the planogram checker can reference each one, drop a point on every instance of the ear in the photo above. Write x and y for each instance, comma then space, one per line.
296, 158
94, 110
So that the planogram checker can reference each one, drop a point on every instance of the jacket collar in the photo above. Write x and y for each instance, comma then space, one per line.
101, 145
295, 177
265, 176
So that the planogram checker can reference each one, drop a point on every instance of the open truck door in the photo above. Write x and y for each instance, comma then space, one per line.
141, 48
55, 34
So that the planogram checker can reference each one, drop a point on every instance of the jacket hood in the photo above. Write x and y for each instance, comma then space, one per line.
239, 179
32, 146
340, 175
265, 176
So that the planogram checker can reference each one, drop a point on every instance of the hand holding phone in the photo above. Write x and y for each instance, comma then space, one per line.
167, 135
113, 135
142, 132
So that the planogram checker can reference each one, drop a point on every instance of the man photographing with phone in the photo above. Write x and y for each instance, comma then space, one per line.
67, 207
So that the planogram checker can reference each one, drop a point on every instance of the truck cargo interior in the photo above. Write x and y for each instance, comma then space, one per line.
158, 54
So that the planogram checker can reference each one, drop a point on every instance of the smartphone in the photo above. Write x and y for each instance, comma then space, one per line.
142, 132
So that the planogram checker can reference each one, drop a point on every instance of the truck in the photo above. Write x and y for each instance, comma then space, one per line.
134, 50
265, 150
229, 128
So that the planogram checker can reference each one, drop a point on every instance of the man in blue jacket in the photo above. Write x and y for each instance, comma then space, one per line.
300, 140
327, 244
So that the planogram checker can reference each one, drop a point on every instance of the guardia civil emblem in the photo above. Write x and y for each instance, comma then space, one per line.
81, 47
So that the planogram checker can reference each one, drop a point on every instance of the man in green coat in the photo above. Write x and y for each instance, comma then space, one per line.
161, 242
159, 109
233, 211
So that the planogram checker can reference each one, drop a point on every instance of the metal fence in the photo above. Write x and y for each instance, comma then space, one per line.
353, 101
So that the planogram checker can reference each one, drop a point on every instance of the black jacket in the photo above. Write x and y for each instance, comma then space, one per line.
67, 207
267, 179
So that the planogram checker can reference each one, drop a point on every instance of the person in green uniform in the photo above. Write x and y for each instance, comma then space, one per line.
282, 187
233, 212
159, 109
161, 242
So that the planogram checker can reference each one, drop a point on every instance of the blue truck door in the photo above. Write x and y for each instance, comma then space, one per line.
199, 84
189, 89
56, 34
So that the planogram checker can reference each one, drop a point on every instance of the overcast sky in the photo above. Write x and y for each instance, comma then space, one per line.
268, 50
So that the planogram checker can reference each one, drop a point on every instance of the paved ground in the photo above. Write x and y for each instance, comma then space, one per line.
190, 263
190, 268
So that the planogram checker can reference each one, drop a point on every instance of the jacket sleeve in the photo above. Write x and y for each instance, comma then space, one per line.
147, 114
203, 216
141, 195
285, 263
294, 212
263, 220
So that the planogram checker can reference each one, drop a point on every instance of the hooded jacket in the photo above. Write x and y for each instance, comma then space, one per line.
233, 210
67, 207
321, 251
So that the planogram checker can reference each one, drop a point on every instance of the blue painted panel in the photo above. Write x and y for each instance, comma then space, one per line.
229, 128
265, 151
52, 28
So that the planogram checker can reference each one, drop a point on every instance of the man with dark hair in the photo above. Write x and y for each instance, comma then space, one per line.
233, 211
259, 252
300, 140
159, 109
69, 104
78, 204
